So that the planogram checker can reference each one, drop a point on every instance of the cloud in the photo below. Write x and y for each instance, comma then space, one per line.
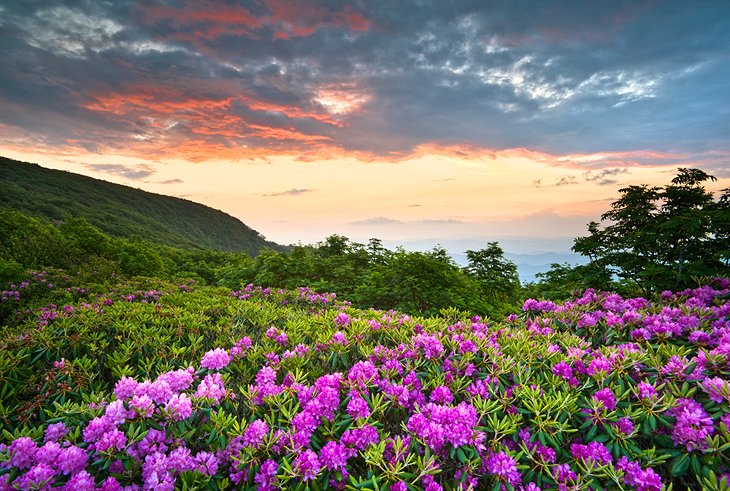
318, 80
292, 192
566, 181
279, 20
383, 220
171, 181
136, 172
604, 177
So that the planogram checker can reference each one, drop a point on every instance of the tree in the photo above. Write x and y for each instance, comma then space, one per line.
661, 237
497, 274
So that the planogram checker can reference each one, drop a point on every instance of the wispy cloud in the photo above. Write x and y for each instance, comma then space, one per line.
292, 192
134, 172
604, 177
383, 220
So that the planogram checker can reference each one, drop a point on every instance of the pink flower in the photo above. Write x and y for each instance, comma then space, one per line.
179, 407
215, 359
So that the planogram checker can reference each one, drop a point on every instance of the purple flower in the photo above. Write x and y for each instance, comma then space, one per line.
110, 484
675, 368
441, 395
646, 391
181, 460
207, 463
22, 452
717, 388
179, 407
436, 424
693, 424
125, 388
48, 454
110, 440
266, 476
342, 319
359, 438
154, 442
307, 465
143, 406
333, 456
399, 486
634, 475
255, 433
339, 338
599, 366
358, 407
563, 370
624, 426
430, 345
38, 477
178, 380
242, 345
504, 467
80, 482
156, 474
55, 431
363, 373
467, 346
606, 397
266, 376
562, 473
116, 413
594, 451
215, 359
211, 387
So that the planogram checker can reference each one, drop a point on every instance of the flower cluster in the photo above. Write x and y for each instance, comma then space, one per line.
599, 391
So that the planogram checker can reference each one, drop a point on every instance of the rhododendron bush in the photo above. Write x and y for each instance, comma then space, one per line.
173, 386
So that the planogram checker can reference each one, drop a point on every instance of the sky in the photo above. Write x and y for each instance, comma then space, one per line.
417, 122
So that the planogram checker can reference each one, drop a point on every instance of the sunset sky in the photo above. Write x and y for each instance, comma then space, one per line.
440, 122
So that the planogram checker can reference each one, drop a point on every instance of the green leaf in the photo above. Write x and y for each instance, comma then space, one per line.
680, 465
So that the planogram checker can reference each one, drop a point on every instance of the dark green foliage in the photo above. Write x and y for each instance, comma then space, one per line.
372, 276
121, 211
661, 238
497, 275
562, 281
368, 276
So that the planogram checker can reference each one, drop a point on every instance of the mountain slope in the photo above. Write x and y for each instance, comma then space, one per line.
123, 211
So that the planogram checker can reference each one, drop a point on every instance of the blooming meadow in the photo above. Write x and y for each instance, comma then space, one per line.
149, 385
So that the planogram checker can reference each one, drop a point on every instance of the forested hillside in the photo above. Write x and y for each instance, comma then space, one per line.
122, 211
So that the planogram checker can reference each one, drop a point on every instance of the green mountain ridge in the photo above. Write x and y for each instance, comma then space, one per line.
123, 211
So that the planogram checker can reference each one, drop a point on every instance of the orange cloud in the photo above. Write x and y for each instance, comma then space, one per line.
290, 111
210, 19
298, 18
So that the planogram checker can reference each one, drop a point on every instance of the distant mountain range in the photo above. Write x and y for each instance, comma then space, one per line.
123, 211
528, 264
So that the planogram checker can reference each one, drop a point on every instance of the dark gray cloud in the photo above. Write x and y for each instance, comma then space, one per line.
170, 181
211, 79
